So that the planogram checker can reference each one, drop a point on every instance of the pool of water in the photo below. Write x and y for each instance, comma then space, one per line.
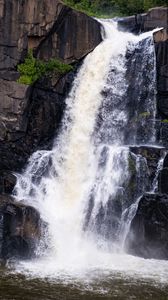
36, 280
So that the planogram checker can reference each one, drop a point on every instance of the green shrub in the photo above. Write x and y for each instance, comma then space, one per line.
33, 69
109, 8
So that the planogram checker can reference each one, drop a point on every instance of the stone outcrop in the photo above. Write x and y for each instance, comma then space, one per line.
40, 24
161, 45
152, 156
20, 229
148, 233
155, 18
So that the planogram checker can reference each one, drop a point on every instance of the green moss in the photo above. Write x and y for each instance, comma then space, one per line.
165, 121
131, 165
33, 69
144, 114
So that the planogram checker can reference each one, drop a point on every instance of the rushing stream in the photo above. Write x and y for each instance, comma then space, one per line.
82, 187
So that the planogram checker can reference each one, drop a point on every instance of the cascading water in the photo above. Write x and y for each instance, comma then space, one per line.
83, 183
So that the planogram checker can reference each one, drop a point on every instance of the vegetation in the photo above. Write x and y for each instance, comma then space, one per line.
144, 114
33, 69
107, 8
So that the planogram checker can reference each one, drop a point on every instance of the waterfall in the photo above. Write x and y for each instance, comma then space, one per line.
83, 183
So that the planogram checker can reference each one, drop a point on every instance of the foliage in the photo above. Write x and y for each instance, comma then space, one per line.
144, 114
100, 8
32, 69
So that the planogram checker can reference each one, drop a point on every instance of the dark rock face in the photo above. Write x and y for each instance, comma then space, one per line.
7, 182
155, 17
163, 177
39, 24
152, 156
161, 45
20, 229
163, 181
148, 233
31, 116
39, 122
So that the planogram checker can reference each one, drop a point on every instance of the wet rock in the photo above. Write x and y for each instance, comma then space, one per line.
20, 228
161, 46
7, 182
163, 181
152, 156
148, 236
165, 163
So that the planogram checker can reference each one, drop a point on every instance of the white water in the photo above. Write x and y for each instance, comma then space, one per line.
57, 182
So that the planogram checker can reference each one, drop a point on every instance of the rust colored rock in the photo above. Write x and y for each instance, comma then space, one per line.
161, 36
156, 17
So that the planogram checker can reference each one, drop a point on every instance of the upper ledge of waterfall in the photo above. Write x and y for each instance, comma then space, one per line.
155, 18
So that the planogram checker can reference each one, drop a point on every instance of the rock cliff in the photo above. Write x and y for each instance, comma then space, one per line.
30, 116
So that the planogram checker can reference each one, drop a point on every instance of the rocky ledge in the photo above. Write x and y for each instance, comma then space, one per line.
148, 233
20, 229
155, 18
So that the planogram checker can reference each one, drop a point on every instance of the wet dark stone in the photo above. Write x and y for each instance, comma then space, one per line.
164, 134
20, 229
165, 163
42, 119
152, 155
163, 181
148, 235
7, 182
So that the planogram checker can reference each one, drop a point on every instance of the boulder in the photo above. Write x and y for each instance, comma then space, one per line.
148, 236
20, 229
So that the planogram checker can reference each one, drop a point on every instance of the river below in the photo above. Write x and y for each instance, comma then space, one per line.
41, 280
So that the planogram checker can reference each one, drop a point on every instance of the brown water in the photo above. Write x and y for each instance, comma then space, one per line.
15, 286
